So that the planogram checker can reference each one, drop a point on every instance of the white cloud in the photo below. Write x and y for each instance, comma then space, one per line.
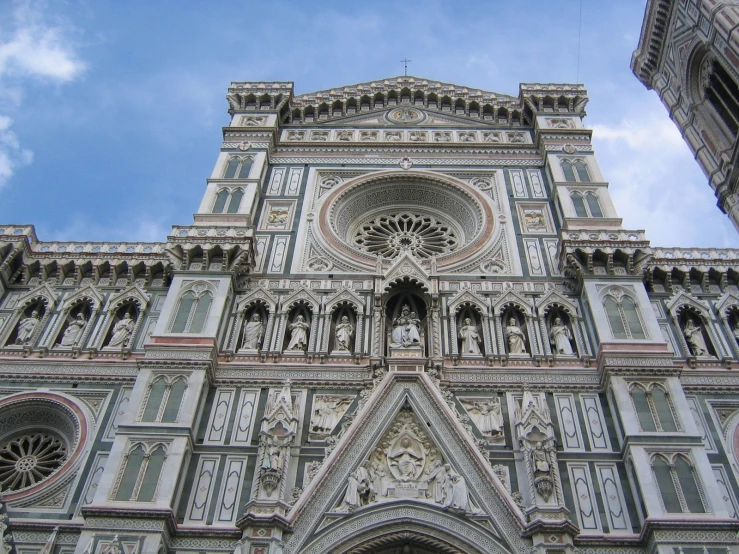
657, 186
30, 48
80, 227
12, 155
36, 48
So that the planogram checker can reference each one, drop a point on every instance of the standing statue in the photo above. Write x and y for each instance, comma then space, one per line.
343, 337
380, 481
253, 333
438, 481
26, 327
359, 487
516, 338
460, 499
405, 329
560, 337
73, 331
298, 334
470, 338
694, 335
735, 331
122, 331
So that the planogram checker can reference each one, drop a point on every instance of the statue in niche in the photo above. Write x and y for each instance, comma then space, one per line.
735, 330
26, 328
253, 333
343, 336
560, 337
470, 338
405, 329
460, 499
272, 456
694, 336
539, 460
122, 331
298, 334
73, 332
515, 337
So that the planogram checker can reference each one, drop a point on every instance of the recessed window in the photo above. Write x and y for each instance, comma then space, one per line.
192, 312
164, 399
228, 201
678, 484
586, 204
238, 168
575, 171
623, 318
141, 472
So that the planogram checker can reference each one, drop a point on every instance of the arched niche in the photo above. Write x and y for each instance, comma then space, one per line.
28, 321
468, 326
254, 324
299, 332
407, 319
562, 329
516, 332
343, 338
695, 332
73, 325
123, 321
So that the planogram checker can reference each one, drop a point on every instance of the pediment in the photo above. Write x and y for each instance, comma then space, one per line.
345, 295
386, 117
727, 300
41, 291
512, 297
302, 294
466, 296
682, 298
134, 292
407, 268
258, 294
406, 431
554, 297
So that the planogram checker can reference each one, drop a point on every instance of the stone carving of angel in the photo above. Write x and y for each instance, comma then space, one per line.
26, 328
560, 337
516, 338
73, 332
298, 334
122, 331
470, 338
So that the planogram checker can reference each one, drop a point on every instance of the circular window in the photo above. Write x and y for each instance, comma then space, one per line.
423, 214
422, 235
41, 438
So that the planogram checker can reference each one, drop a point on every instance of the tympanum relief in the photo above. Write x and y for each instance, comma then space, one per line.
406, 464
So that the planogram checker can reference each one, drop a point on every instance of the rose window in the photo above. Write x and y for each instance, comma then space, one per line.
388, 235
30, 458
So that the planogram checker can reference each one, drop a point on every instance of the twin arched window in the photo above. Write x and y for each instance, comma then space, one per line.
192, 312
164, 400
586, 205
228, 201
720, 91
623, 318
575, 171
141, 472
678, 484
653, 408
238, 168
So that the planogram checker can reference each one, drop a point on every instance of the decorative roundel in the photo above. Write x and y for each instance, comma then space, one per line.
41, 439
405, 115
423, 214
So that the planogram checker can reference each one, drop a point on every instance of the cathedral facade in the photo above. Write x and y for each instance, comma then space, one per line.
406, 318
688, 53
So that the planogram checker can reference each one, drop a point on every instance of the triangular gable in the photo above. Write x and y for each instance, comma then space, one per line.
554, 297
134, 292
406, 267
512, 297
302, 294
466, 296
42, 291
682, 298
727, 300
260, 293
345, 295
415, 391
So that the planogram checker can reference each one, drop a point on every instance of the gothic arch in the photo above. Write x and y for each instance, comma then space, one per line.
247, 304
405, 522
41, 295
468, 300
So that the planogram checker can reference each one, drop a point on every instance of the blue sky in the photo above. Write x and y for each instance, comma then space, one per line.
111, 112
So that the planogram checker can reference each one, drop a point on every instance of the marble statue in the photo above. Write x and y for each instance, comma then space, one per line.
470, 338
122, 331
516, 338
460, 499
492, 419
405, 329
694, 335
359, 487
253, 333
735, 331
438, 481
343, 337
539, 460
560, 337
73, 332
327, 412
26, 328
298, 334
380, 480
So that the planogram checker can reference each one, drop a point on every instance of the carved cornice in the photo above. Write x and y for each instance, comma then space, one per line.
655, 27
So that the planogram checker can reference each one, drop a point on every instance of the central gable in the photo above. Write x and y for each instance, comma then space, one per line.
407, 416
